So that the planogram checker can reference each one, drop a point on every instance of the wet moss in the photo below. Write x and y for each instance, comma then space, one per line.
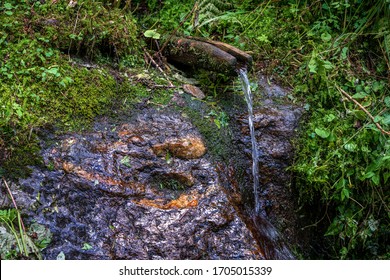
19, 158
218, 140
87, 28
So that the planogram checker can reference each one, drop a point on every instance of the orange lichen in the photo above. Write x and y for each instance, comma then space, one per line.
189, 147
184, 201
71, 168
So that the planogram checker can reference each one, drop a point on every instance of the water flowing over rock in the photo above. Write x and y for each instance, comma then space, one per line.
275, 123
139, 190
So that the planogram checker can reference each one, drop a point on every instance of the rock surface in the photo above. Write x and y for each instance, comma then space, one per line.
116, 190
275, 122
194, 91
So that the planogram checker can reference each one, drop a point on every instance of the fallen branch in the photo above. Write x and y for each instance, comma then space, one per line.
150, 58
350, 98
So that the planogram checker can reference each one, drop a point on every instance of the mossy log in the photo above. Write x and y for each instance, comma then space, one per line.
207, 54
243, 59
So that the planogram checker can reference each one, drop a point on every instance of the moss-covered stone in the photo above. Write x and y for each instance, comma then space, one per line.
41, 85
88, 28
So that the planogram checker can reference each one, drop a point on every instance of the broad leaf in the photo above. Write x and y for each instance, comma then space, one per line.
322, 133
152, 33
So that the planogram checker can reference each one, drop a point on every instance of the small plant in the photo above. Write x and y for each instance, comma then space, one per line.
10, 217
126, 161
171, 184
26, 246
220, 119
86, 247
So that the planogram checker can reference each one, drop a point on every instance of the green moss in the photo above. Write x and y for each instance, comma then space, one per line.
88, 28
43, 86
20, 157
218, 139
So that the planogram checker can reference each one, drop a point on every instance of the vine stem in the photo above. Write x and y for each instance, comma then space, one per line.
350, 98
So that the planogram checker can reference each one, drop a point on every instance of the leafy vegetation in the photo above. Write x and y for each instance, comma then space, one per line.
334, 54
18, 242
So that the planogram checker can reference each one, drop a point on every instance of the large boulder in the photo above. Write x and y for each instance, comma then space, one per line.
139, 190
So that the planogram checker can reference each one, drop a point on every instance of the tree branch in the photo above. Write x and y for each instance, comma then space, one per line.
343, 92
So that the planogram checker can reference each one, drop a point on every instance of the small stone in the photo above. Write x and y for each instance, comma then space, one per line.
194, 91
189, 147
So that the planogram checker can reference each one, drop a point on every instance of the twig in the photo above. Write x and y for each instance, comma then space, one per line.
74, 29
381, 199
158, 67
363, 109
14, 202
387, 57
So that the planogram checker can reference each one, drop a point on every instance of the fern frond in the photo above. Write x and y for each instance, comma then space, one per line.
210, 10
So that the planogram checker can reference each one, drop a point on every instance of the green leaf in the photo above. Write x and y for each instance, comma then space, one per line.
359, 114
327, 64
366, 103
368, 175
66, 81
87, 246
344, 194
54, 71
378, 118
168, 158
344, 252
61, 256
329, 117
126, 161
217, 123
152, 33
375, 179
322, 133
386, 176
351, 147
313, 66
263, 38
359, 95
8, 13
377, 86
386, 120
344, 53
326, 37
334, 228
8, 6
387, 101
340, 184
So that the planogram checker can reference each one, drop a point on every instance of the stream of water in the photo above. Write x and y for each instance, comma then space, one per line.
255, 167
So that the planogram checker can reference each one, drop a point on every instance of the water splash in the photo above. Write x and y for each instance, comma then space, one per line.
255, 166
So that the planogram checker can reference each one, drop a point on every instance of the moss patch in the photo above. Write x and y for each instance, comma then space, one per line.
44, 86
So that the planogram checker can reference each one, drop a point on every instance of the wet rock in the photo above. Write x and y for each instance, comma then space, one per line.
186, 148
275, 122
115, 189
194, 91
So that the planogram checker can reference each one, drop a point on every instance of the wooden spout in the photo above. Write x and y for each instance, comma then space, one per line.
207, 54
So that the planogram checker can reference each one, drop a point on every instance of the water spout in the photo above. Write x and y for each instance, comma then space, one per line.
255, 167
